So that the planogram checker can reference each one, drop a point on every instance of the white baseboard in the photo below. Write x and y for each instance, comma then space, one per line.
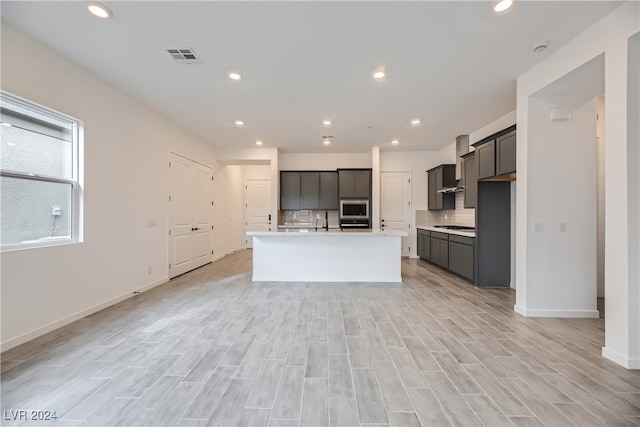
620, 359
573, 314
35, 333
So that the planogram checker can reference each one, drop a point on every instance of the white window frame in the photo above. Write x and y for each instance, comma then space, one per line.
24, 106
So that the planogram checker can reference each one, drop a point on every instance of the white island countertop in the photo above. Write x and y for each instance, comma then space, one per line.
335, 232
363, 255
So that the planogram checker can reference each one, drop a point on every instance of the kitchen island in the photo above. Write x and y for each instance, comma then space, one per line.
327, 256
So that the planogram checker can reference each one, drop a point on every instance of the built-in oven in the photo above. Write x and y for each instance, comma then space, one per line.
354, 213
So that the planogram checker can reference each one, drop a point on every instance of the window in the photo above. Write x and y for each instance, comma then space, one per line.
40, 175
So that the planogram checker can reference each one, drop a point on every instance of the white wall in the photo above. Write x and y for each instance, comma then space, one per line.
562, 266
600, 193
126, 180
324, 161
609, 36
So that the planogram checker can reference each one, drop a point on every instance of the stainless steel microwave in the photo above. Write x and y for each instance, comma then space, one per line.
354, 209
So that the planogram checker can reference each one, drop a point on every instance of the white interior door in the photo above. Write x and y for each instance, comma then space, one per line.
395, 204
257, 213
190, 215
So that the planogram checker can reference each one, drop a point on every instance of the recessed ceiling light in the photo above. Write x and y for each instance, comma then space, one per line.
326, 142
6, 124
415, 122
378, 75
235, 76
258, 142
99, 10
395, 142
326, 122
503, 5
239, 123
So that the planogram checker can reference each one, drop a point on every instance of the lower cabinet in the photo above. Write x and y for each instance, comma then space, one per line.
440, 249
461, 255
449, 251
424, 244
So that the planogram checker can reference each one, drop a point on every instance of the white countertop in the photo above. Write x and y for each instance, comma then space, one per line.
304, 232
445, 230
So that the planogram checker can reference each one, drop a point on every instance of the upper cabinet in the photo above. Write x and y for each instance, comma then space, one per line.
506, 153
440, 177
289, 191
496, 155
308, 190
470, 176
328, 191
354, 183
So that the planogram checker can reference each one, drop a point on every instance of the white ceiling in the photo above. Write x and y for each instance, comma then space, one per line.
453, 64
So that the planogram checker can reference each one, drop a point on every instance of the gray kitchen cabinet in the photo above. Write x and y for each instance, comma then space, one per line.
486, 160
328, 191
506, 153
496, 155
461, 255
470, 179
354, 183
309, 190
440, 177
289, 191
424, 244
440, 249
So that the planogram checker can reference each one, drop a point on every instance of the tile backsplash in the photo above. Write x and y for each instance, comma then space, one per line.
308, 218
459, 216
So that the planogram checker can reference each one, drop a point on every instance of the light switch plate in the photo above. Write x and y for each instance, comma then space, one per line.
562, 227
538, 227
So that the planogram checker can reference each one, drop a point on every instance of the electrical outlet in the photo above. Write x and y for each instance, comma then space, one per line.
149, 269
56, 210
562, 227
538, 227
446, 216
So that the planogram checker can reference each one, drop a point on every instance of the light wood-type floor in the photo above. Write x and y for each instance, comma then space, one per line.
212, 348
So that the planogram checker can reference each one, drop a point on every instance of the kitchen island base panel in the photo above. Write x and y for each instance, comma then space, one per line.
327, 258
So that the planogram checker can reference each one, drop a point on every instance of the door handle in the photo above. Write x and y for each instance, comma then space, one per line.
269, 218
382, 223
194, 229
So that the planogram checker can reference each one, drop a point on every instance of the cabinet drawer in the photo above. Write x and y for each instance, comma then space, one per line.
462, 239
438, 235
422, 232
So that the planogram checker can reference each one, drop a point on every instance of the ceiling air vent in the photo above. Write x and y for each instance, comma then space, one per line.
183, 56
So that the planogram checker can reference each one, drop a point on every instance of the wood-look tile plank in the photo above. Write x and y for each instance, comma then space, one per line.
427, 407
315, 402
358, 352
371, 407
266, 384
252, 417
298, 351
340, 381
451, 400
407, 367
318, 330
389, 334
544, 410
486, 410
462, 380
212, 391
289, 395
231, 406
280, 346
317, 361
174, 406
253, 360
509, 404
377, 349
343, 412
403, 419
420, 354
235, 354
394, 394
